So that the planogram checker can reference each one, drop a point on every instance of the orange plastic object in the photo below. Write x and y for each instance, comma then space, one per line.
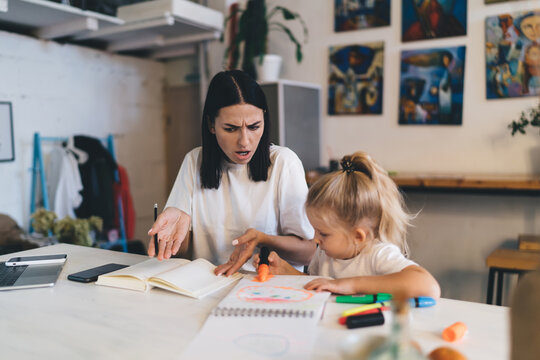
446, 353
264, 273
454, 332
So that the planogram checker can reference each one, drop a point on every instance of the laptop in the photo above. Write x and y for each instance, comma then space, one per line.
28, 276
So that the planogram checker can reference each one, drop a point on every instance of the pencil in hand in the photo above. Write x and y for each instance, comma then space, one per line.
156, 243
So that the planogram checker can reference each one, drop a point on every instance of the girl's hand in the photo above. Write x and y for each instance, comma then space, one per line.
244, 247
339, 286
171, 226
277, 265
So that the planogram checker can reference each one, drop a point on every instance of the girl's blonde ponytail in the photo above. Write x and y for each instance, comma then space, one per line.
363, 190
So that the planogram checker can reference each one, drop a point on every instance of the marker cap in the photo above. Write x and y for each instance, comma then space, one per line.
454, 332
422, 301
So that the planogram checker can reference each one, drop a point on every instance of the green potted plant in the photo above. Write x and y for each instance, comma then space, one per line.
527, 117
66, 230
251, 34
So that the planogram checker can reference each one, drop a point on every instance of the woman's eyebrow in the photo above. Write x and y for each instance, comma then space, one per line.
236, 126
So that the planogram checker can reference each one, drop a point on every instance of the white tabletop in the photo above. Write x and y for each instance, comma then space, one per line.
85, 321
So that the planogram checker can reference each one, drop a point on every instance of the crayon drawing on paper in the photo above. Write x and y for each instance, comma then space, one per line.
273, 294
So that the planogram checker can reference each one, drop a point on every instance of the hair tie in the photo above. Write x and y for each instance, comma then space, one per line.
347, 166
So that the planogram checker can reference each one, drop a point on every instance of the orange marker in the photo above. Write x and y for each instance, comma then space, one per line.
263, 270
454, 332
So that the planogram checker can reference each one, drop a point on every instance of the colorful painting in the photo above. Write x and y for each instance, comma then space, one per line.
355, 83
432, 19
273, 294
360, 14
431, 86
513, 55
497, 1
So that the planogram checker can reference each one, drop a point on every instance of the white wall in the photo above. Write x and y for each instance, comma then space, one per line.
453, 233
64, 90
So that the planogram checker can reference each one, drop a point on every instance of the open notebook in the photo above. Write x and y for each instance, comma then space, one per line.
274, 319
191, 278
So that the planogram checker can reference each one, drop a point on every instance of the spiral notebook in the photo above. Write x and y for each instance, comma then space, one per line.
276, 319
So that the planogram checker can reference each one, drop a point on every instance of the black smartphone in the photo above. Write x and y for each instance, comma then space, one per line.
92, 274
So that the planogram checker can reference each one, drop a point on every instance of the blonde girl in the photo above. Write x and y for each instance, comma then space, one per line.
360, 226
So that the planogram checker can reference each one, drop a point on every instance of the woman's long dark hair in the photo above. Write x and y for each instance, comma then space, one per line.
232, 88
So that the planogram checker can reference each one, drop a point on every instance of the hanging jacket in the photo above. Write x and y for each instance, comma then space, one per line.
122, 192
98, 176
63, 182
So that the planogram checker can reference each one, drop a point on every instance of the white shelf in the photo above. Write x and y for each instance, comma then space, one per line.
157, 29
49, 20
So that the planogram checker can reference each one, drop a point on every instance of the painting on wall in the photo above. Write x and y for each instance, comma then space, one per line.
360, 14
432, 19
7, 147
497, 1
431, 86
355, 83
513, 55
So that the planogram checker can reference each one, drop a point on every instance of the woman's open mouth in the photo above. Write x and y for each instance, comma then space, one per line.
243, 155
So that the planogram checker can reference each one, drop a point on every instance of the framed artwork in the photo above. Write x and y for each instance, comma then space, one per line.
497, 1
433, 19
360, 14
355, 82
7, 146
431, 86
513, 55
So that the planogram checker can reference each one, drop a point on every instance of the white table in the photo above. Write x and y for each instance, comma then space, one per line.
85, 321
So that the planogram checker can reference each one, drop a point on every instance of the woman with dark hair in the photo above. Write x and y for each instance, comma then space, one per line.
237, 191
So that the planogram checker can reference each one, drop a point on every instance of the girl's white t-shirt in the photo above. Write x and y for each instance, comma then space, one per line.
381, 258
218, 216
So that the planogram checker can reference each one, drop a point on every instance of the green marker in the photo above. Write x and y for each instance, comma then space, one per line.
363, 299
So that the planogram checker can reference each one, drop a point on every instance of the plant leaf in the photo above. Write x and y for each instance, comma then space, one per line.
289, 15
287, 31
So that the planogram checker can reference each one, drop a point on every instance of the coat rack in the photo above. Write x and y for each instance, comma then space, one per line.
38, 171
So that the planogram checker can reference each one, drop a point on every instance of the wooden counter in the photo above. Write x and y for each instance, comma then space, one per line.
503, 184
482, 183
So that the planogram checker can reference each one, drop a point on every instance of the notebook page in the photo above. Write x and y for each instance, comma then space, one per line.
229, 338
276, 319
148, 268
196, 278
281, 293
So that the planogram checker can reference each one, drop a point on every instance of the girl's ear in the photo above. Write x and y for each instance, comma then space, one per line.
360, 235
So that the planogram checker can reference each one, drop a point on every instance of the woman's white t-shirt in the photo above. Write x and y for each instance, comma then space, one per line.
381, 258
218, 216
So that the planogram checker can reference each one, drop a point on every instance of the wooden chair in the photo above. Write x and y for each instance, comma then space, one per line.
513, 261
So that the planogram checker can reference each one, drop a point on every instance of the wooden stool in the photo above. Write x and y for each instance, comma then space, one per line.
513, 261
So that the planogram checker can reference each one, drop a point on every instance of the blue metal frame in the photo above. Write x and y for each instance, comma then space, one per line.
38, 169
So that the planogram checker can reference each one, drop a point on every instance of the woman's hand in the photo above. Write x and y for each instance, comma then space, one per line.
339, 286
243, 251
171, 226
277, 265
